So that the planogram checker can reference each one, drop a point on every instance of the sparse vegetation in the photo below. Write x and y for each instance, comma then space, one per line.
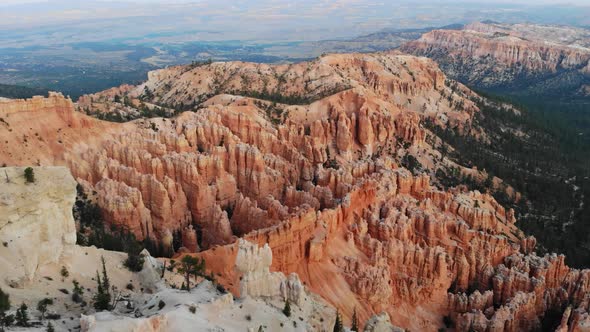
102, 298
411, 163
29, 175
22, 316
77, 292
5, 320
64, 272
42, 306
135, 259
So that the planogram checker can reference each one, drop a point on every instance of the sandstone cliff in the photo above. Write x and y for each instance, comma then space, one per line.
40, 131
36, 222
531, 57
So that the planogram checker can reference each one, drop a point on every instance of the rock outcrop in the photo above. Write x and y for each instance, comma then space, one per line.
530, 57
381, 323
253, 263
36, 222
41, 131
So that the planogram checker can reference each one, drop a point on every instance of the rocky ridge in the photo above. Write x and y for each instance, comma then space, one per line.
40, 131
530, 57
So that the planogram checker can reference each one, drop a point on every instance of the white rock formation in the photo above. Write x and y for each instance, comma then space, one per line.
202, 310
257, 280
151, 274
36, 221
381, 323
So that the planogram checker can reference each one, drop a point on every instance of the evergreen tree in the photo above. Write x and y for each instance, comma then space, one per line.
106, 284
338, 324
102, 298
191, 266
135, 259
4, 301
5, 320
42, 306
355, 322
50, 327
22, 316
287, 309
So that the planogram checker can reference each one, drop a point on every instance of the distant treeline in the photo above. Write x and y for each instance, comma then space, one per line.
20, 92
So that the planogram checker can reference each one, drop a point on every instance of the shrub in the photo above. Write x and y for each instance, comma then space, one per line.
287, 309
64, 272
192, 309
134, 262
77, 292
29, 175
52, 316
161, 304
42, 306
22, 316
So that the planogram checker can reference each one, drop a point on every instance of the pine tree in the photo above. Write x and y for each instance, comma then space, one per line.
4, 301
338, 324
106, 284
42, 306
102, 298
5, 320
355, 322
22, 316
189, 266
287, 309
50, 327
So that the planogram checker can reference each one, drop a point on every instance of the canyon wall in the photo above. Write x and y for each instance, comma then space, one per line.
538, 58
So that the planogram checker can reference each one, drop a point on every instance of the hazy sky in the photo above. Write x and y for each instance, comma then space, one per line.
177, 20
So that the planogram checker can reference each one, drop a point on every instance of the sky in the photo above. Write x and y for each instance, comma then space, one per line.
29, 22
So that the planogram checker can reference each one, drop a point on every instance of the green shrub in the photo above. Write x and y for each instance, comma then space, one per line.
29, 175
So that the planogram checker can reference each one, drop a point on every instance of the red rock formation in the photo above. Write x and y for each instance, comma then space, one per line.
40, 131
322, 187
